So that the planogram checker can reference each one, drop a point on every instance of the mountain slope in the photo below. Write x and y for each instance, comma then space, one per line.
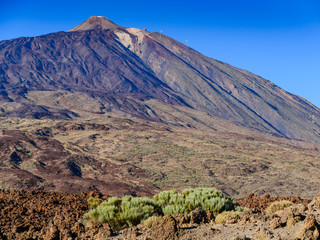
120, 156
226, 91
132, 71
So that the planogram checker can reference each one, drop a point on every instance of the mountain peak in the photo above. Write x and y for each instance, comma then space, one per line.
96, 23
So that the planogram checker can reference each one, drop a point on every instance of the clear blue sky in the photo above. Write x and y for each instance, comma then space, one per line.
278, 40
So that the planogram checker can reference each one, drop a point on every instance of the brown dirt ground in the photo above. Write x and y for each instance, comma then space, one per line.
120, 156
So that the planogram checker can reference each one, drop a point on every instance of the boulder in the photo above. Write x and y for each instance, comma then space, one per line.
309, 230
164, 228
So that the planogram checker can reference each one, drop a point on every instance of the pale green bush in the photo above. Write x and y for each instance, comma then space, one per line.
124, 212
130, 211
189, 199
278, 205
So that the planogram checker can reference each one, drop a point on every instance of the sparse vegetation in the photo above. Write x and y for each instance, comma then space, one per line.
188, 200
124, 212
170, 157
279, 205
130, 211
224, 216
148, 222
94, 202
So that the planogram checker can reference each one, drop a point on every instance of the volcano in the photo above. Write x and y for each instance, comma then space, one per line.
99, 67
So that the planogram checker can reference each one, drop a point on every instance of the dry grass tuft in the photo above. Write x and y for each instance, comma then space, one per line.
279, 205
228, 215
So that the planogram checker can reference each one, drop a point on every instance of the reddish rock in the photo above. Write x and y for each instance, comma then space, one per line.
37, 214
260, 203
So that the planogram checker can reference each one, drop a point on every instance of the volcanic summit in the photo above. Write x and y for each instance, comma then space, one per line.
145, 75
96, 23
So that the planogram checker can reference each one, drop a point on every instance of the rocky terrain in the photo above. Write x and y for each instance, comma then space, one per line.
35, 159
45, 215
119, 156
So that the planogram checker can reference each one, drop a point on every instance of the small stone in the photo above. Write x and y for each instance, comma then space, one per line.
135, 234
318, 195
215, 230
291, 221
310, 222
53, 233
95, 194
245, 218
231, 221
314, 204
263, 234
275, 223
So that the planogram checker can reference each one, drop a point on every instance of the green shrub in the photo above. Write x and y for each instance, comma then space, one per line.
149, 222
130, 211
222, 217
190, 199
93, 202
124, 212
278, 205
